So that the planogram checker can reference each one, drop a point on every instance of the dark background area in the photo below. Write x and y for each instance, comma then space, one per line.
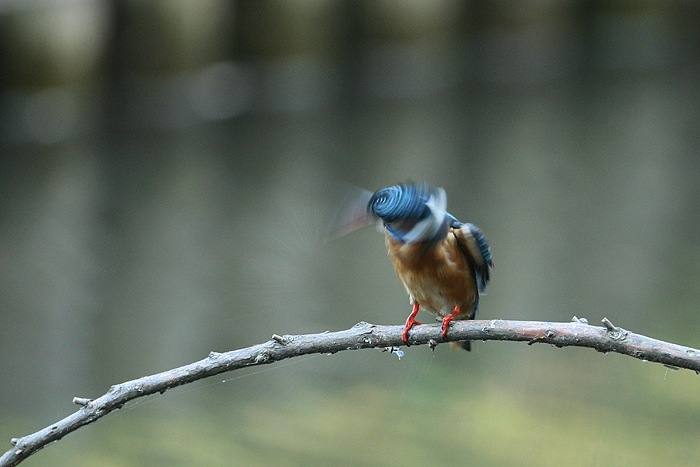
168, 169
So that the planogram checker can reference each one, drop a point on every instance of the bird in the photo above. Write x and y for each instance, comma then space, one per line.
443, 263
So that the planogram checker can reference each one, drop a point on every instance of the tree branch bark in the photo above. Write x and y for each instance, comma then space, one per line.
577, 333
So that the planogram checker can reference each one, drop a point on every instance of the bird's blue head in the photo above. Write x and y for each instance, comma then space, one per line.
411, 212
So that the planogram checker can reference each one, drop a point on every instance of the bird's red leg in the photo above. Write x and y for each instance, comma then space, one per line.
447, 319
410, 321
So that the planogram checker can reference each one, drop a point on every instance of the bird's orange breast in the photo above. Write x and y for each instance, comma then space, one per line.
438, 277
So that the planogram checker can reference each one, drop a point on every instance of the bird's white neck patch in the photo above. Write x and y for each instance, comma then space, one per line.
429, 227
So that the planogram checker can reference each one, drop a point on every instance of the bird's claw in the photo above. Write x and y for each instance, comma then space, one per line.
410, 322
446, 324
448, 319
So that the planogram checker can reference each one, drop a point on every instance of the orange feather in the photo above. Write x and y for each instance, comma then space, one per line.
438, 277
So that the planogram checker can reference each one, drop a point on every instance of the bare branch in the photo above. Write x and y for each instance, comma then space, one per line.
577, 333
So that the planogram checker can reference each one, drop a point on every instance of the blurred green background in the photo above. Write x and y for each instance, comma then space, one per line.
167, 169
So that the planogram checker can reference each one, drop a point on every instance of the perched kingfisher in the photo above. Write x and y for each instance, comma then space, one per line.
444, 264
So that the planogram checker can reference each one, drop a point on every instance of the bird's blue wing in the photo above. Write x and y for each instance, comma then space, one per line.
473, 243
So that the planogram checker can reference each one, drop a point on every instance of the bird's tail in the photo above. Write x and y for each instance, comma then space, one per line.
465, 345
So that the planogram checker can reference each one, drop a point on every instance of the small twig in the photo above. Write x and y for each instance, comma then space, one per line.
609, 326
361, 336
81, 401
616, 333
280, 339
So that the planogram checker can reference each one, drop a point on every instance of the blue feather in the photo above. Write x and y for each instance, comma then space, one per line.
480, 238
410, 212
485, 263
400, 202
482, 268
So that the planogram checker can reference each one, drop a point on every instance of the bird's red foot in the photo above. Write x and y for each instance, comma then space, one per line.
448, 319
410, 321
